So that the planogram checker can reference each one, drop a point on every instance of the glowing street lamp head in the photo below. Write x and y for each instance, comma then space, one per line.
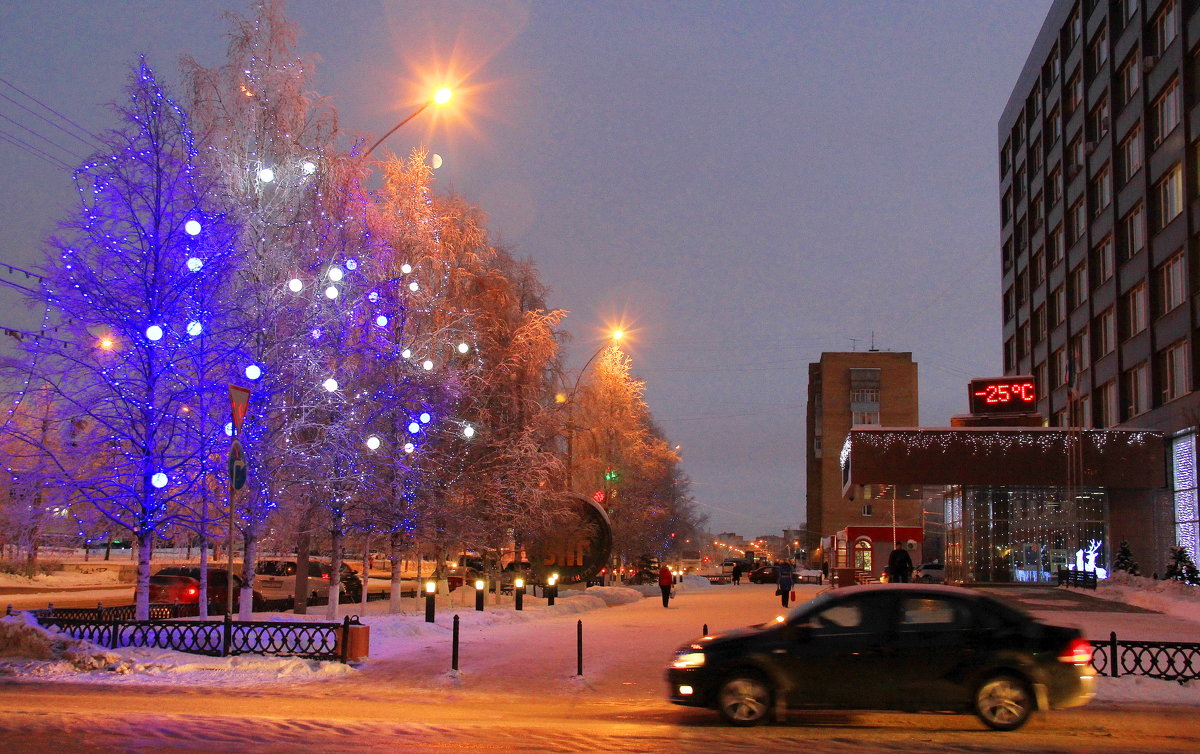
618, 334
106, 344
266, 175
443, 95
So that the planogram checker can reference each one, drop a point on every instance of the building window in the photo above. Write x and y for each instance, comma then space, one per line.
1058, 305
1166, 112
1006, 205
1075, 156
864, 395
1106, 332
1168, 194
1166, 25
866, 511
1050, 69
1023, 340
1136, 315
1010, 355
1098, 51
1055, 246
1035, 156
1106, 402
1019, 185
1132, 232
1101, 189
1129, 78
1039, 324
1079, 285
1130, 154
1022, 286
1171, 284
1083, 411
1073, 29
1137, 389
1098, 120
1058, 367
1053, 126
1054, 179
1074, 93
1080, 353
1037, 269
870, 418
1005, 159
1174, 370
1104, 260
1124, 10
1010, 301
1076, 221
1039, 376
1035, 212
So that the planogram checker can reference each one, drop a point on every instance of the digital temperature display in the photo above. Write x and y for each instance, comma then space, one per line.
1003, 395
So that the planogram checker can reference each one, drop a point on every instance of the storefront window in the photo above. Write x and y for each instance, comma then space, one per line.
862, 556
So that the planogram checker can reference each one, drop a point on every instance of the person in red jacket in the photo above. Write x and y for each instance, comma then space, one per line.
665, 580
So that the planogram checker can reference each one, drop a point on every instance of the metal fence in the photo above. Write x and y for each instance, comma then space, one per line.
1168, 660
110, 627
1071, 577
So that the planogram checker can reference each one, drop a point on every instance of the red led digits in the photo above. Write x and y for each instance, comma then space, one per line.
1003, 395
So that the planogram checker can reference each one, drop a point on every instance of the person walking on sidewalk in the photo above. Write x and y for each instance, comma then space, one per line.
900, 565
785, 582
665, 582
737, 573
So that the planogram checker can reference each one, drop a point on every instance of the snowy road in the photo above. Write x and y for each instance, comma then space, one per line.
516, 693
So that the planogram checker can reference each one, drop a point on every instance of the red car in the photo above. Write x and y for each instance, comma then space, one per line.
180, 585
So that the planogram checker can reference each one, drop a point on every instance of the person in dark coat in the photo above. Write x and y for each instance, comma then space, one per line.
665, 581
737, 573
900, 565
785, 582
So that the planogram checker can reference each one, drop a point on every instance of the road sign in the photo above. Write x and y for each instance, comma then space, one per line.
237, 465
239, 401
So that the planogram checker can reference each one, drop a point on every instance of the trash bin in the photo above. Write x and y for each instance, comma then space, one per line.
844, 577
358, 642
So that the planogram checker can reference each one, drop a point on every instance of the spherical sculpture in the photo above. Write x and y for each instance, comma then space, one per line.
159, 480
295, 285
253, 372
266, 175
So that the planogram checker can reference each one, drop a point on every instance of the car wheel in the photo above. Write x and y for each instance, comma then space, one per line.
745, 698
1004, 702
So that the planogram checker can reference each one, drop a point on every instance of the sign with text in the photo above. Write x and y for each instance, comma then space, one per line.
1003, 395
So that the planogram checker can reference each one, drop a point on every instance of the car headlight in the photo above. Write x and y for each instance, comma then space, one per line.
686, 659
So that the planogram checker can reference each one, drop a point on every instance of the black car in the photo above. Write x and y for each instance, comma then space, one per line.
767, 574
898, 646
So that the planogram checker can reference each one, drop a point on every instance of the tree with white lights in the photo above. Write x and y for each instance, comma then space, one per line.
131, 286
267, 140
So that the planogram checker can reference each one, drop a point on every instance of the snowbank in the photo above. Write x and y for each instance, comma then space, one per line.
615, 595
22, 637
1170, 597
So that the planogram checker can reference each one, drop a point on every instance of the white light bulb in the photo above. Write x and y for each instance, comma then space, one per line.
381, 321
406, 354
266, 175
194, 328
308, 167
295, 285
154, 332
463, 348
425, 418
405, 268
414, 286
373, 442
427, 365
414, 428
468, 431
253, 372
409, 447
192, 228
331, 292
336, 274
330, 385
351, 265
159, 480
229, 429
373, 296
195, 263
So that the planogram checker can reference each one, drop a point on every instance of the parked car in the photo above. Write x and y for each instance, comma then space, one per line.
276, 580
767, 574
903, 647
930, 573
180, 585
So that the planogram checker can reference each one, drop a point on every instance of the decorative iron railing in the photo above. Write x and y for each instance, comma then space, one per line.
108, 627
1168, 660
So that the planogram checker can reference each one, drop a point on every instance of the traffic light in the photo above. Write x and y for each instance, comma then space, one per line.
611, 476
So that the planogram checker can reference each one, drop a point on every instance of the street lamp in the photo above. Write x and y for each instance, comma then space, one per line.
441, 97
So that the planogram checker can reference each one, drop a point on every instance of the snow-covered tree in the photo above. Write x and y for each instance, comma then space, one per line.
1125, 562
132, 286
1181, 567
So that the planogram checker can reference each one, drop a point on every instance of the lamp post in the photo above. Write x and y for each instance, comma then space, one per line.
441, 97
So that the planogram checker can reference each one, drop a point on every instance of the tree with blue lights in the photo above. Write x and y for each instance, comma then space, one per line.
133, 287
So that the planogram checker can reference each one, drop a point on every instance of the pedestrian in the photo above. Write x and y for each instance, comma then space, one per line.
900, 565
737, 573
665, 582
785, 582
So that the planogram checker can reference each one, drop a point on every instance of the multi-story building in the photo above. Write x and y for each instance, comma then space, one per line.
1099, 152
857, 389
1099, 184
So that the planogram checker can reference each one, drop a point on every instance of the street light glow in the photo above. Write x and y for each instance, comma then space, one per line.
443, 96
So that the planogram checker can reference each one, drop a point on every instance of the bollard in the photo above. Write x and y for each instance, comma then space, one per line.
479, 584
579, 647
454, 646
705, 630
551, 592
1114, 667
519, 593
429, 600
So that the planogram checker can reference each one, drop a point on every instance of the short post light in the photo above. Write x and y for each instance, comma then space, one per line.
519, 593
430, 594
551, 589
479, 585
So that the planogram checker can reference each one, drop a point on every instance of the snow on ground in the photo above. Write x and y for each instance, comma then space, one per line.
60, 579
1169, 597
